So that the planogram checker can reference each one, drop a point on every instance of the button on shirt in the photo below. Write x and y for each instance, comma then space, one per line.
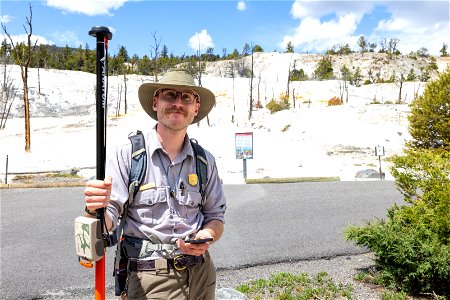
167, 204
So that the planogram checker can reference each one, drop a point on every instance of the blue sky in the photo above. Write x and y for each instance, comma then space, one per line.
184, 26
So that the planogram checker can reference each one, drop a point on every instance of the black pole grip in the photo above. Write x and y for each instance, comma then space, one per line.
102, 34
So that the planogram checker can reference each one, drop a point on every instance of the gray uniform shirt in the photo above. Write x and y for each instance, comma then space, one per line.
154, 210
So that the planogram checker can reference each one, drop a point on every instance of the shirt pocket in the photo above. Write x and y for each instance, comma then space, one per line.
190, 204
151, 205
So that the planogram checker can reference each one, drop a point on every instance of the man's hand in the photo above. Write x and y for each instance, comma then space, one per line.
195, 249
97, 193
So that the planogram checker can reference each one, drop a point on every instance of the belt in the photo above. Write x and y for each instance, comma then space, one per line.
179, 263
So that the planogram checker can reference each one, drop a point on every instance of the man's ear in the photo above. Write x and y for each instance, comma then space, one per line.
197, 107
155, 104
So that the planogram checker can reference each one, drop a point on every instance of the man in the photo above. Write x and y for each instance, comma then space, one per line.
167, 209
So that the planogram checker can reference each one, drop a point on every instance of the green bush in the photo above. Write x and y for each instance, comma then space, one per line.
430, 115
324, 69
282, 104
412, 246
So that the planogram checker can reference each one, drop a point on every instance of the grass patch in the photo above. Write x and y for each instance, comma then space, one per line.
286, 128
284, 286
391, 295
291, 180
63, 175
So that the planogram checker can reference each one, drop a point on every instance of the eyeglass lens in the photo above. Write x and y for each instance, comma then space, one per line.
171, 96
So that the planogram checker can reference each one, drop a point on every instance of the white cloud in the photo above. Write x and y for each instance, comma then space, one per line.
425, 25
87, 7
324, 24
241, 5
201, 41
314, 35
23, 38
5, 19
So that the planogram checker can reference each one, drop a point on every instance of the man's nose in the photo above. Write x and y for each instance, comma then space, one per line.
177, 102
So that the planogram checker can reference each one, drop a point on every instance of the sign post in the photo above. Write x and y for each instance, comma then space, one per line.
244, 148
6, 171
379, 151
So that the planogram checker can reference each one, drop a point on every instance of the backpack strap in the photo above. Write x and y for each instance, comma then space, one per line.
138, 162
201, 169
136, 176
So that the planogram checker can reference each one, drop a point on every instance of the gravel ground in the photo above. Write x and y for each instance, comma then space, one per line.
341, 269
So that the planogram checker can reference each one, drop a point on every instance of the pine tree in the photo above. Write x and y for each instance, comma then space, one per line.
429, 121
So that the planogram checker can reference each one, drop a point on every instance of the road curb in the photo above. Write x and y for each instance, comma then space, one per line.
41, 185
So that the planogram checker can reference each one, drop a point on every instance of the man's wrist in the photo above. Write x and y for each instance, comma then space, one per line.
90, 213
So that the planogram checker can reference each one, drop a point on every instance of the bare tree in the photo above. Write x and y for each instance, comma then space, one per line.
399, 82
289, 76
258, 84
24, 59
293, 96
7, 96
119, 96
251, 84
392, 47
200, 69
343, 83
154, 54
125, 91
231, 68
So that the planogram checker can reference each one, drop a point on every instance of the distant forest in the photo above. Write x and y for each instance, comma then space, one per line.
159, 60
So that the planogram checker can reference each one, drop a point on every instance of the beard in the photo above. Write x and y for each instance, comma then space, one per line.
175, 118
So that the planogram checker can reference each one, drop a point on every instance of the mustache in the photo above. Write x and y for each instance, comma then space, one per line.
175, 110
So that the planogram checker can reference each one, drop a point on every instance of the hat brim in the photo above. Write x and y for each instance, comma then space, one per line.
147, 90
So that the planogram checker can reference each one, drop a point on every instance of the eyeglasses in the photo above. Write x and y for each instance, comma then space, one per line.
172, 95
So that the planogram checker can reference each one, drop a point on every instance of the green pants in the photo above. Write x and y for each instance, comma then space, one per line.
197, 282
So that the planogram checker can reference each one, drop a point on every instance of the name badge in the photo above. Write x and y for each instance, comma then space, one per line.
150, 185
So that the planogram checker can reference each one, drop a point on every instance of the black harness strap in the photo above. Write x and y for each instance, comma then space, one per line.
136, 177
201, 169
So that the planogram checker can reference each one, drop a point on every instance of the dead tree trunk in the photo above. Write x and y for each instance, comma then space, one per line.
293, 96
400, 86
288, 78
125, 102
24, 63
251, 89
7, 97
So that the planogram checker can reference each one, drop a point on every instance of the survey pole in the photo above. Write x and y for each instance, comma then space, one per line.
102, 35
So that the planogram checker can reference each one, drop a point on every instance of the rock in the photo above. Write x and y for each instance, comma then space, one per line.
229, 294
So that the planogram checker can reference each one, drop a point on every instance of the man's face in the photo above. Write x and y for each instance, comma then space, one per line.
176, 108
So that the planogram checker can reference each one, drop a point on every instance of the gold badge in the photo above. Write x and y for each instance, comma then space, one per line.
150, 185
192, 178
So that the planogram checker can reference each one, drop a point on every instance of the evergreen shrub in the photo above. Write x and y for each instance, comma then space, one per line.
412, 245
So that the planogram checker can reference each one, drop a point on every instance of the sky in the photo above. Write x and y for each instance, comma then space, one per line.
185, 27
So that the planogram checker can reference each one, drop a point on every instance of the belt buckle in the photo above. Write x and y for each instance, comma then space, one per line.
176, 265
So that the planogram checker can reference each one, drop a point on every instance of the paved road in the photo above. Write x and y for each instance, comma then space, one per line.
265, 223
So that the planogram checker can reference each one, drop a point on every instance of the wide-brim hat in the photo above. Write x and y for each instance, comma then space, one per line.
176, 79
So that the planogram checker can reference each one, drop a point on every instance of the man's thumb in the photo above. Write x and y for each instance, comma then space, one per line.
108, 180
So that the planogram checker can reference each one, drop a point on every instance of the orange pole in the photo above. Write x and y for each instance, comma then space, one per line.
100, 282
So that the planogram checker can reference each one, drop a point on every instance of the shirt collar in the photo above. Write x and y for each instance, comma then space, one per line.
155, 144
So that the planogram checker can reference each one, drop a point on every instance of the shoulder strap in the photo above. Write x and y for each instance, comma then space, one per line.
137, 173
138, 162
137, 170
201, 167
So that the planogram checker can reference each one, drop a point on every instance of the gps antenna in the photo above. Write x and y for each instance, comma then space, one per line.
103, 35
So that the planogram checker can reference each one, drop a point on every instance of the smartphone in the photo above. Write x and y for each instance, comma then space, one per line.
199, 241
